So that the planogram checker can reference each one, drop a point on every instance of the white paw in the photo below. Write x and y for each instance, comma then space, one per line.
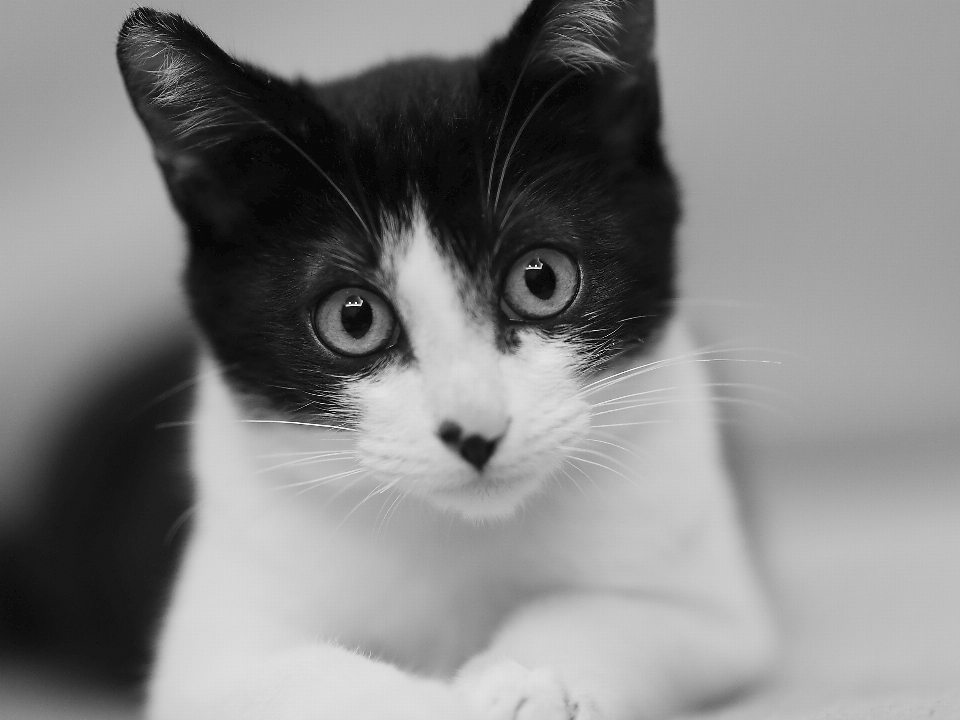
506, 690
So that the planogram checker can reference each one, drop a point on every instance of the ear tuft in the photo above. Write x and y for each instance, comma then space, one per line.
221, 129
586, 35
183, 86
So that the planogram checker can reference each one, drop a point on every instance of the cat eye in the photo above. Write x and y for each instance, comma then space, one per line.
540, 284
355, 322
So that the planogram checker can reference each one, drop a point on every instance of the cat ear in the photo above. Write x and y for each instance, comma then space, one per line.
586, 36
591, 61
226, 135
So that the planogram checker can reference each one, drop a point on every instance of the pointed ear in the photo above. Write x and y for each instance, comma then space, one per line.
587, 36
590, 59
226, 135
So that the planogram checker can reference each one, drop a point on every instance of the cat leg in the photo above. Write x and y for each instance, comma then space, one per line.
614, 657
238, 644
315, 682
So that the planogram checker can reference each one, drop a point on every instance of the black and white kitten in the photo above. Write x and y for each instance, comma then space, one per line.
453, 458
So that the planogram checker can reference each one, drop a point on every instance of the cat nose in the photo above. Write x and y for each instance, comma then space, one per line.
475, 449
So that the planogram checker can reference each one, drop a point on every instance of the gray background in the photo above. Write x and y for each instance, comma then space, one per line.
818, 143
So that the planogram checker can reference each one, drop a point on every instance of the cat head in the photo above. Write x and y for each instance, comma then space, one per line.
433, 253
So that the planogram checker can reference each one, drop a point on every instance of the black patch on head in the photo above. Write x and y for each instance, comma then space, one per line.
284, 187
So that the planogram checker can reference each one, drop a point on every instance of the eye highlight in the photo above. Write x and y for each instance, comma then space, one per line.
355, 322
540, 284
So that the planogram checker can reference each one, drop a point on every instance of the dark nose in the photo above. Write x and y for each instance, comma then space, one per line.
475, 449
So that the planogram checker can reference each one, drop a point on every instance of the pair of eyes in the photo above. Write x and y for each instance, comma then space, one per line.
355, 321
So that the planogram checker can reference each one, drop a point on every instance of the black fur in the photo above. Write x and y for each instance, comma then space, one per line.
267, 193
283, 193
86, 581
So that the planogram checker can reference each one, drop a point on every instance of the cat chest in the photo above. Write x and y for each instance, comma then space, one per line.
423, 608
427, 596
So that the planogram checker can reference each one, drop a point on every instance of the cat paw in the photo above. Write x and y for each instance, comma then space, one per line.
506, 690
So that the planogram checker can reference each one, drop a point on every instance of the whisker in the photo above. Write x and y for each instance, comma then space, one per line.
569, 460
503, 123
300, 151
376, 491
633, 424
358, 185
596, 385
179, 522
502, 233
328, 480
312, 460
603, 383
304, 424
478, 154
572, 457
678, 401
185, 423
178, 388
319, 395
649, 465
614, 445
523, 126
598, 453
350, 485
555, 169
695, 302
698, 353
611, 436
629, 396
395, 503
289, 454
317, 482
706, 386
402, 496
570, 477
174, 424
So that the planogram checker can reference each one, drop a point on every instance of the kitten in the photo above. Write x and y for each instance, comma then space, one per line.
453, 458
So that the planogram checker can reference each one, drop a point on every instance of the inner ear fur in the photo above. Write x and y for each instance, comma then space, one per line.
585, 69
230, 139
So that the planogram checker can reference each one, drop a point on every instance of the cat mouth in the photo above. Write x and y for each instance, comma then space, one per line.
487, 496
482, 484
486, 482
489, 484
483, 481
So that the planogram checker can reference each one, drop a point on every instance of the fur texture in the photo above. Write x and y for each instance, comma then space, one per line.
453, 457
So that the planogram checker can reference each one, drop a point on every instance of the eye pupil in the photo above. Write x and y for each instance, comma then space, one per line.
540, 279
356, 316
540, 284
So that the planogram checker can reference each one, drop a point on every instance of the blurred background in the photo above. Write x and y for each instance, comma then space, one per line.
818, 146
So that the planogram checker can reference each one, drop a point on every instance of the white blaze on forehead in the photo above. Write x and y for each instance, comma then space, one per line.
455, 349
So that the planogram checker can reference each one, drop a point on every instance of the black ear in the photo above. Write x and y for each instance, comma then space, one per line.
586, 36
590, 64
227, 136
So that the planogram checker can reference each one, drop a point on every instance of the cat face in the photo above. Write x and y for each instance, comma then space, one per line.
433, 253
472, 420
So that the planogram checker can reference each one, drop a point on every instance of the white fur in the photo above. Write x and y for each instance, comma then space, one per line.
608, 586
528, 399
